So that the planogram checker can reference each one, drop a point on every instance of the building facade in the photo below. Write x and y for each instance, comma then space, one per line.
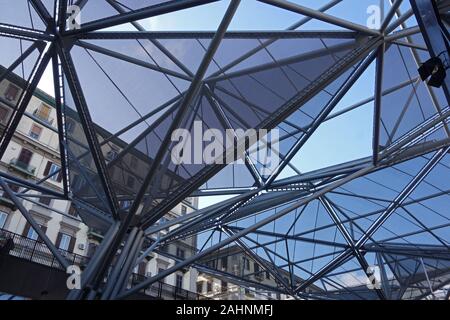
34, 155
236, 262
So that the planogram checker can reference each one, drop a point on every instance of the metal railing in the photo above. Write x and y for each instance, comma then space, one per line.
22, 166
161, 290
35, 250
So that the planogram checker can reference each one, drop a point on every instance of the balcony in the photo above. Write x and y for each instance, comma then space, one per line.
43, 117
36, 251
23, 167
161, 290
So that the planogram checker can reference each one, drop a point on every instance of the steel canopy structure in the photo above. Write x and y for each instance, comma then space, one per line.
121, 90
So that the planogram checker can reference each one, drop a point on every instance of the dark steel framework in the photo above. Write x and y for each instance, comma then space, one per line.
326, 228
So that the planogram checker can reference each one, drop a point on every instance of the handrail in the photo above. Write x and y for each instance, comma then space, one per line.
22, 247
161, 289
36, 251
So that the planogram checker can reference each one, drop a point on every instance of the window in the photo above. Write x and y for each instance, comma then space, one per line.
25, 156
45, 200
208, 286
183, 210
11, 92
180, 253
73, 211
267, 275
35, 132
3, 114
3, 217
256, 267
32, 234
51, 169
179, 281
64, 242
43, 112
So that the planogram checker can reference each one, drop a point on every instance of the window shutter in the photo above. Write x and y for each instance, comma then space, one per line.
47, 168
71, 244
26, 229
58, 239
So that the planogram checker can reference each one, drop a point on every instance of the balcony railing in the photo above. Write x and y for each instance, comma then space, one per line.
161, 290
22, 166
43, 117
35, 251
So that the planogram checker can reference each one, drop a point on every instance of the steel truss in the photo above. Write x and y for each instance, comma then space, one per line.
254, 218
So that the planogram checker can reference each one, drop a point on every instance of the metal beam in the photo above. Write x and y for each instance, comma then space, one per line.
24, 33
348, 238
244, 232
290, 6
323, 115
25, 99
129, 59
87, 124
390, 15
136, 15
196, 35
187, 99
379, 73
21, 58
395, 204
